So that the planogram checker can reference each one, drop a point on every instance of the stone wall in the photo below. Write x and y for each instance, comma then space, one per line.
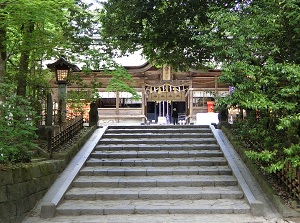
23, 186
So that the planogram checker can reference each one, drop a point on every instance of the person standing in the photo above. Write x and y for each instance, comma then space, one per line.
175, 116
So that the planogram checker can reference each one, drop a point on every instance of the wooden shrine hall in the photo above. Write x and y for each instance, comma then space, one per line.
161, 90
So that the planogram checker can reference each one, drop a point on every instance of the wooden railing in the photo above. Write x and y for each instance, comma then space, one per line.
65, 133
290, 178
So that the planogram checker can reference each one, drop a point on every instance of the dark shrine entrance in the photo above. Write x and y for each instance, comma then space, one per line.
161, 101
164, 109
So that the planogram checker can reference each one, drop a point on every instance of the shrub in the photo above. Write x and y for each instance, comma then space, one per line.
17, 130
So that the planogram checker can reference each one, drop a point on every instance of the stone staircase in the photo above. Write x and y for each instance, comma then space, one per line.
151, 170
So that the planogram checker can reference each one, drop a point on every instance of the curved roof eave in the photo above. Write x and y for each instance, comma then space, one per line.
140, 68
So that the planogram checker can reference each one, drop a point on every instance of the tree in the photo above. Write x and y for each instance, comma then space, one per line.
260, 57
36, 34
168, 32
28, 36
3, 52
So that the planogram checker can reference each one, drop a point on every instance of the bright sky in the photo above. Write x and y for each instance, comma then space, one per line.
132, 60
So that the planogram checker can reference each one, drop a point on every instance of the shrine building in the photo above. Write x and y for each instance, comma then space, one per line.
161, 90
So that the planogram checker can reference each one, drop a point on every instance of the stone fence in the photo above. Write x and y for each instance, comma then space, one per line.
23, 186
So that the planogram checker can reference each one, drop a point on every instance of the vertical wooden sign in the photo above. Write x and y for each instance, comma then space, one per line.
166, 75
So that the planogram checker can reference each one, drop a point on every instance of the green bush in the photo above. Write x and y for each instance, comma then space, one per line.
17, 130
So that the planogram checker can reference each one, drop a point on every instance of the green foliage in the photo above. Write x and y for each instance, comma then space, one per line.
28, 37
273, 95
168, 32
265, 156
293, 154
87, 91
257, 44
120, 81
259, 49
17, 129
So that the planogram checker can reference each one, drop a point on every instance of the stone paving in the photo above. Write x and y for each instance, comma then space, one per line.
150, 185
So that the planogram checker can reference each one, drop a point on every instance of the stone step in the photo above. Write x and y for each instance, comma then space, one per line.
158, 131
159, 127
154, 171
157, 193
155, 154
156, 218
169, 141
155, 181
200, 161
156, 147
116, 207
151, 135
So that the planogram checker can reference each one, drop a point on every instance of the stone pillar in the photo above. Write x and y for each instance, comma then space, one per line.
62, 104
93, 114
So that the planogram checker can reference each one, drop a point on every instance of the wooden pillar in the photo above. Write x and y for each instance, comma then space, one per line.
216, 85
49, 114
190, 99
144, 103
117, 105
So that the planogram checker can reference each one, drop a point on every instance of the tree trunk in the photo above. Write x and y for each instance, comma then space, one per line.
2, 68
22, 76
3, 54
24, 60
2, 72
